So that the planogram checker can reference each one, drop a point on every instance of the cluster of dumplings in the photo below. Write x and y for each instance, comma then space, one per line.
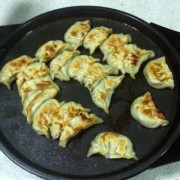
64, 120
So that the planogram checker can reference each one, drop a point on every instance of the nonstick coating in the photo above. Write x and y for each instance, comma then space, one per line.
43, 156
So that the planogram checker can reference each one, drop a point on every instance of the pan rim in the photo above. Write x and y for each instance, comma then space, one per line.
114, 174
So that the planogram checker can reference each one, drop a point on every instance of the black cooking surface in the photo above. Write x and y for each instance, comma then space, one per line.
171, 155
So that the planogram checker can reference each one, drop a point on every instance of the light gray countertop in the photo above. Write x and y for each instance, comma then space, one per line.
162, 12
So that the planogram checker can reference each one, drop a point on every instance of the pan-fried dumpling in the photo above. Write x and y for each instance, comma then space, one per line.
77, 124
112, 146
95, 73
46, 114
35, 99
75, 118
145, 112
50, 50
102, 92
116, 59
9, 71
35, 84
66, 113
128, 58
71, 109
32, 71
95, 38
135, 57
158, 74
76, 33
113, 42
59, 65
79, 66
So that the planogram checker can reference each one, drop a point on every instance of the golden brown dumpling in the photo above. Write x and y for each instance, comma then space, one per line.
9, 71
35, 99
32, 71
46, 119
35, 84
76, 33
113, 42
95, 73
75, 118
77, 124
158, 74
79, 66
102, 92
50, 50
144, 111
128, 58
95, 38
112, 146
59, 65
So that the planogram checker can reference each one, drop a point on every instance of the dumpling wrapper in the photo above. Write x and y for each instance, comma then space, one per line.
35, 84
71, 109
76, 33
95, 73
77, 124
35, 99
46, 119
113, 42
128, 58
95, 38
32, 71
102, 92
158, 74
79, 66
112, 146
75, 118
9, 71
59, 65
50, 50
144, 111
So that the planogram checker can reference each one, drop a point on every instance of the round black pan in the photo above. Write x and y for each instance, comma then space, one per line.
44, 157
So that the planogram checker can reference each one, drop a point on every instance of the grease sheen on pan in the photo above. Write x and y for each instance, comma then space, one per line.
59, 65
32, 71
75, 118
35, 84
112, 146
35, 99
158, 74
128, 58
95, 38
9, 71
79, 66
51, 49
113, 42
95, 73
144, 111
102, 92
76, 33
46, 120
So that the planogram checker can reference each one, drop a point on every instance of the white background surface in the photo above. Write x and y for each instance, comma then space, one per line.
162, 12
